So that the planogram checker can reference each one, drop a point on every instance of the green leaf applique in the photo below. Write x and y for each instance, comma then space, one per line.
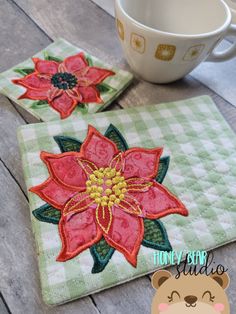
89, 60
67, 144
163, 168
24, 71
39, 104
105, 88
114, 135
47, 213
155, 235
101, 253
51, 58
83, 108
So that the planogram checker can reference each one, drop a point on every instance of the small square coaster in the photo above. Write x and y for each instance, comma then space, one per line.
62, 81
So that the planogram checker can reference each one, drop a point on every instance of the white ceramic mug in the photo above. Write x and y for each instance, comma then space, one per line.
232, 6
163, 40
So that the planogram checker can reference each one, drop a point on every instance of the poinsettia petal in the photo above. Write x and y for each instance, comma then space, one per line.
117, 162
35, 94
80, 202
96, 75
54, 92
78, 232
104, 217
140, 162
66, 168
53, 193
97, 148
138, 184
130, 205
33, 81
125, 234
75, 63
45, 66
90, 94
158, 202
88, 166
64, 104
75, 94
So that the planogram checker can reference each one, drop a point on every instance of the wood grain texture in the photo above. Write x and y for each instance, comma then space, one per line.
3, 308
133, 297
81, 22
220, 77
17, 42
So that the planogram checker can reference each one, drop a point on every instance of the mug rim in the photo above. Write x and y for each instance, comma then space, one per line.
232, 7
200, 35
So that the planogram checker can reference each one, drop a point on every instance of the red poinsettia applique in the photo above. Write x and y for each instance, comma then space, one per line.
64, 84
101, 191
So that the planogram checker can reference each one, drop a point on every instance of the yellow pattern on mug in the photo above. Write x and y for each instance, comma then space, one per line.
193, 52
165, 52
120, 29
138, 43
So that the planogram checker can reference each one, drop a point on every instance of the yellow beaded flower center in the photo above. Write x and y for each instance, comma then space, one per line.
106, 186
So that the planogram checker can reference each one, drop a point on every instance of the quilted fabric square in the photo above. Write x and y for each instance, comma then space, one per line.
200, 148
62, 81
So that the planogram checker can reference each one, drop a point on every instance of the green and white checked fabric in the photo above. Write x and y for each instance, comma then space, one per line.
62, 49
202, 174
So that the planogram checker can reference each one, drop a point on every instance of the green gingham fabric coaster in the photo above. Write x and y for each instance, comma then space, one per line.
202, 172
107, 87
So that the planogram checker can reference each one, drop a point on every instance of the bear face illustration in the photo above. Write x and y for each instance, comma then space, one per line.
190, 294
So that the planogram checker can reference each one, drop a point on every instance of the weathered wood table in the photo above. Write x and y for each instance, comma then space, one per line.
26, 27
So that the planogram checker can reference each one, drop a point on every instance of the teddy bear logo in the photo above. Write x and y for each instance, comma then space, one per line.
190, 294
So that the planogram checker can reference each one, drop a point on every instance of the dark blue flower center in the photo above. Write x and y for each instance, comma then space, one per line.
64, 80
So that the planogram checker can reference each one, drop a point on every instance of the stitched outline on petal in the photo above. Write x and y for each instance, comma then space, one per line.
89, 164
118, 159
44, 155
139, 187
131, 257
67, 211
91, 132
110, 218
136, 211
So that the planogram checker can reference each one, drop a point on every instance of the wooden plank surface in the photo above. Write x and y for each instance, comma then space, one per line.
3, 308
220, 77
28, 26
80, 22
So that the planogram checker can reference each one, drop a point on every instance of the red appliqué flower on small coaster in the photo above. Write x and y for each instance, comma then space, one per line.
63, 84
106, 197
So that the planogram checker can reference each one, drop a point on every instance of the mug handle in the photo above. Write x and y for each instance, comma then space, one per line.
226, 54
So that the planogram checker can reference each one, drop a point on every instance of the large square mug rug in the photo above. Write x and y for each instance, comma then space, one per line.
108, 192
63, 81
